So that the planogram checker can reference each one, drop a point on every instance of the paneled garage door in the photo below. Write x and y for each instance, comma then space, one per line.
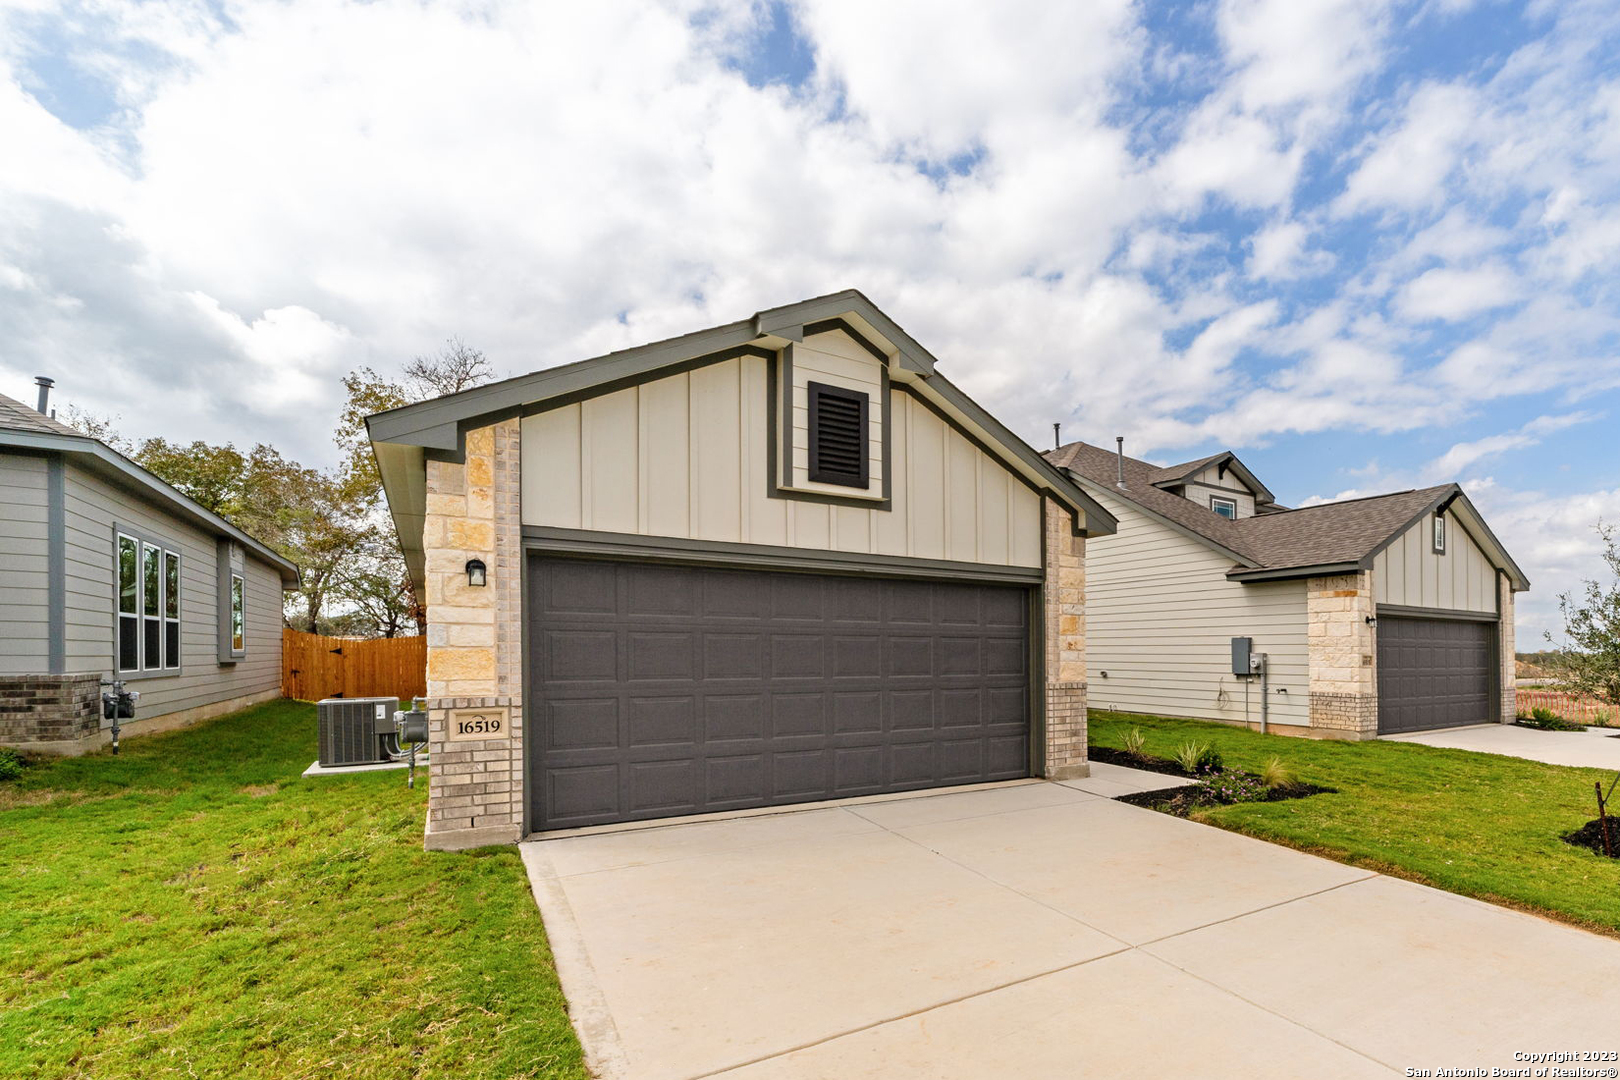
1435, 673
663, 690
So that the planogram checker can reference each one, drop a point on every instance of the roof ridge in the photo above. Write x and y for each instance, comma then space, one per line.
1358, 498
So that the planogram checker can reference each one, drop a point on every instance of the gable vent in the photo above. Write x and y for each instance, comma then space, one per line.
838, 436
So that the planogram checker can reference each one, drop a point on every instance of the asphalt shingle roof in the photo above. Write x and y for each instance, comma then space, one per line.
1284, 539
16, 416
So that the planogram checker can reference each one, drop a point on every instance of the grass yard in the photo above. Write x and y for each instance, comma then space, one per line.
1476, 824
194, 908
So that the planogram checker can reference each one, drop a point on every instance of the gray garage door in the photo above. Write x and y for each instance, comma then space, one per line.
1434, 673
664, 690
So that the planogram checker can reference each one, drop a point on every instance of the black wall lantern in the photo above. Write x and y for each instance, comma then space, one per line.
476, 575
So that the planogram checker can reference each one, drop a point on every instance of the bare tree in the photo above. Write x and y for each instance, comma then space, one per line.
452, 369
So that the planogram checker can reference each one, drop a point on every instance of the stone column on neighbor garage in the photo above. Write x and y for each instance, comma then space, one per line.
1065, 635
1505, 647
475, 643
1343, 654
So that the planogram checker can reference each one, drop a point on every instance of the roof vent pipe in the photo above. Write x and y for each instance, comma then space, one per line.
44, 385
1119, 441
1057, 436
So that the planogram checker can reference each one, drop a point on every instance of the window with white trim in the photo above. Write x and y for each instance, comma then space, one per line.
148, 605
1227, 508
1440, 532
238, 614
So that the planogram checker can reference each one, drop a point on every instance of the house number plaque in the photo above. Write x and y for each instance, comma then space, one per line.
467, 724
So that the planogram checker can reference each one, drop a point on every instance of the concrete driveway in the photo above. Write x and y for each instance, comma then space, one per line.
1596, 748
1038, 930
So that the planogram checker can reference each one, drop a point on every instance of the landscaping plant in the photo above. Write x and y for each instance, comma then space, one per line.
1133, 741
1546, 720
11, 766
1277, 773
1197, 757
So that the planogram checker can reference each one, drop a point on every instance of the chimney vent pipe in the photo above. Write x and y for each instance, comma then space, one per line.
1119, 441
44, 385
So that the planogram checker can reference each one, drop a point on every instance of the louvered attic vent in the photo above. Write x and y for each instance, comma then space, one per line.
838, 439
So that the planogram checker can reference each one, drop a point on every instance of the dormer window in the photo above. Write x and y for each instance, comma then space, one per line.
1227, 508
1440, 532
838, 436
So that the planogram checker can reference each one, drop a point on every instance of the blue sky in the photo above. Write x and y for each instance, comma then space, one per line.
1368, 245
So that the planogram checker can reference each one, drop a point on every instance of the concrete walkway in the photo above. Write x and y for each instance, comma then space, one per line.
1592, 748
1037, 930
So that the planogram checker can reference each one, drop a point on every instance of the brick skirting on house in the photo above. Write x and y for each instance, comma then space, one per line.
49, 708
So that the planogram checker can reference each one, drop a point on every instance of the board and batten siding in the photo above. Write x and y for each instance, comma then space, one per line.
1160, 618
24, 565
1409, 572
686, 456
94, 507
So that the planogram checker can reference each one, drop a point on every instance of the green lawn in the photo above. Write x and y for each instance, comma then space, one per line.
193, 908
1476, 824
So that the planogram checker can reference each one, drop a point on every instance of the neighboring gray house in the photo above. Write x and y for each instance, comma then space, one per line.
106, 572
1378, 615
776, 561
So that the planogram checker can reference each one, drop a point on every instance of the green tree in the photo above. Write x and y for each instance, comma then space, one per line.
1588, 663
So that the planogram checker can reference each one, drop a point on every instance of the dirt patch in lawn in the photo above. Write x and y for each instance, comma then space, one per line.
1590, 836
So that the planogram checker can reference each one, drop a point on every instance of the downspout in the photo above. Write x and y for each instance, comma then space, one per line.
1265, 694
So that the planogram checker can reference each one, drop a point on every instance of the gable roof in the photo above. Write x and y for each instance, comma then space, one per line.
1177, 475
402, 439
23, 428
1337, 537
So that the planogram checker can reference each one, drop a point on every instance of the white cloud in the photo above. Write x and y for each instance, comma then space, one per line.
1407, 168
1445, 293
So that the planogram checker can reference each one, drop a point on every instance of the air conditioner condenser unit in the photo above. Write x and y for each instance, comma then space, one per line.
355, 731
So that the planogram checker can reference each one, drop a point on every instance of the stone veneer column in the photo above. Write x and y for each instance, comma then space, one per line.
1505, 650
1065, 646
1343, 653
475, 639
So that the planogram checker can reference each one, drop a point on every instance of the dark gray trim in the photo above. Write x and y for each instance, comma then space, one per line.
1209, 487
1099, 522
100, 458
603, 545
829, 325
1402, 611
563, 400
1515, 575
1283, 573
1173, 526
784, 420
56, 564
886, 414
1037, 661
820, 471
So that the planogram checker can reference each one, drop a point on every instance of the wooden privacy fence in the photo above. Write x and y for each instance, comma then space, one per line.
1567, 706
314, 666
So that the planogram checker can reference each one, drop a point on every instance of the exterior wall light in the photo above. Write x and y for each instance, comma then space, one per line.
477, 577
1372, 620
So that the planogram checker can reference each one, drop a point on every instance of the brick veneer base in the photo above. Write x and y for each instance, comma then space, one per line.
477, 786
49, 708
1345, 716
1066, 731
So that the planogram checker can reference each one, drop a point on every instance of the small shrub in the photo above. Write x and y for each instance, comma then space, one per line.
1133, 742
1197, 757
11, 766
1545, 719
1543, 714
1277, 773
1232, 787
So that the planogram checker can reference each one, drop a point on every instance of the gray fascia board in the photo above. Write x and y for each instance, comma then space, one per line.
1282, 573
110, 461
1491, 543
1451, 492
1099, 522
426, 423
1173, 526
1262, 494
437, 423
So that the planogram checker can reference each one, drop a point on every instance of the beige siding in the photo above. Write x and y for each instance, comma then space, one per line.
686, 456
94, 508
1160, 616
24, 565
1409, 573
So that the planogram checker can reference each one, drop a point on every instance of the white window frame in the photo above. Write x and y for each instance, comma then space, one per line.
168, 659
1437, 533
237, 605
1215, 500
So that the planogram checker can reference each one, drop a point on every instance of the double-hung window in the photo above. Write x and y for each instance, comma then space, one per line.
148, 606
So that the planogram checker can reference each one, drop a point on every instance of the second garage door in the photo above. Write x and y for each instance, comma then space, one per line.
1435, 673
665, 690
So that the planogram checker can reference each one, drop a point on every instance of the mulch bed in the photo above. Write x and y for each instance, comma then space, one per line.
1109, 756
1590, 836
1182, 801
